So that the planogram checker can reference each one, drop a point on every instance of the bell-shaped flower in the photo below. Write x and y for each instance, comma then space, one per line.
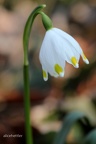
57, 48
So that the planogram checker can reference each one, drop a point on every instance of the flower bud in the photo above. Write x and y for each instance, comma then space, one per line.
46, 21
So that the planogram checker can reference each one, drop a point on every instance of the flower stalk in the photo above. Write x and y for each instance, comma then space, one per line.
26, 35
29, 138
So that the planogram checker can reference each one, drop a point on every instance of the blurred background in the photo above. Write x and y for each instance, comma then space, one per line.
51, 100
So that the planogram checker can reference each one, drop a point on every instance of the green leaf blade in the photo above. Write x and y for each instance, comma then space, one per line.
90, 138
68, 122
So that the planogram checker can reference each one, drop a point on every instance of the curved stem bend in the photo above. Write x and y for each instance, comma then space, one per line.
27, 31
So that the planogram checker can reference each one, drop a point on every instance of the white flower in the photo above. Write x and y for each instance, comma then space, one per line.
58, 47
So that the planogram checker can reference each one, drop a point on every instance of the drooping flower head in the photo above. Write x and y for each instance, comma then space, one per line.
57, 48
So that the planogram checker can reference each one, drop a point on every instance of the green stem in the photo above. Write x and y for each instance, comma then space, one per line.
26, 35
29, 138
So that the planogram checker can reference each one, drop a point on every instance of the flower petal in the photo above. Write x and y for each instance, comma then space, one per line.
66, 51
45, 75
72, 42
59, 70
74, 62
84, 58
69, 38
49, 54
